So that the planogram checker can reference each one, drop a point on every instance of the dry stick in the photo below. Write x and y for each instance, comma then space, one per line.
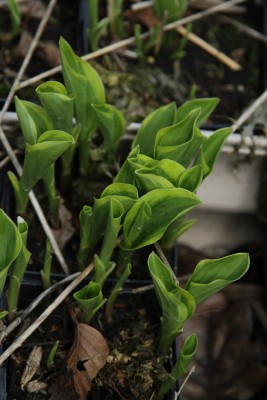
35, 205
28, 57
177, 394
244, 28
9, 149
233, 65
14, 324
18, 342
164, 259
131, 40
247, 113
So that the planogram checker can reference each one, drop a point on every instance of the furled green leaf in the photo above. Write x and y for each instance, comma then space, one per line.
210, 276
82, 80
103, 209
150, 216
26, 122
174, 231
191, 178
11, 243
58, 104
112, 124
125, 193
113, 226
147, 181
90, 299
206, 105
177, 304
18, 267
38, 157
33, 120
85, 250
133, 162
163, 174
102, 270
211, 150
158, 119
181, 366
179, 142
97, 31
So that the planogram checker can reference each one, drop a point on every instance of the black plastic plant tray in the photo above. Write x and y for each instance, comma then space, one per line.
32, 285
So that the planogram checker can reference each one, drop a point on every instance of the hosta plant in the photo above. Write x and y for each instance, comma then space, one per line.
144, 207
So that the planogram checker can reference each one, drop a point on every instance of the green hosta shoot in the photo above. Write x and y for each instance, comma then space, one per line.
18, 268
169, 10
112, 124
102, 223
11, 244
186, 355
90, 299
177, 304
46, 271
38, 158
3, 314
15, 16
51, 355
96, 27
35, 121
210, 276
158, 119
82, 80
211, 149
116, 291
59, 106
148, 219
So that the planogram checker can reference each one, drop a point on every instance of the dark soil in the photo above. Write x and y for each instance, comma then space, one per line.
134, 368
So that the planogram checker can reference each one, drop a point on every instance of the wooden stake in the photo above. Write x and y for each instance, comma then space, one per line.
233, 65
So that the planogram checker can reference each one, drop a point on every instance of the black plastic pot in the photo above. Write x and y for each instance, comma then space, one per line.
32, 286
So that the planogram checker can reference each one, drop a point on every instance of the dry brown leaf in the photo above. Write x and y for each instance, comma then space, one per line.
66, 230
33, 9
232, 353
35, 386
32, 365
145, 16
87, 356
49, 52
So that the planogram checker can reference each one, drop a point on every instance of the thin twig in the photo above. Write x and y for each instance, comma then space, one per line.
244, 28
6, 160
165, 260
131, 40
250, 111
9, 149
18, 342
14, 324
229, 62
177, 394
36, 205
28, 57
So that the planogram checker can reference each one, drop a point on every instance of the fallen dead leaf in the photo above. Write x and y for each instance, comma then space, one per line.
32, 365
232, 354
49, 52
32, 9
87, 356
145, 16
35, 386
66, 230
